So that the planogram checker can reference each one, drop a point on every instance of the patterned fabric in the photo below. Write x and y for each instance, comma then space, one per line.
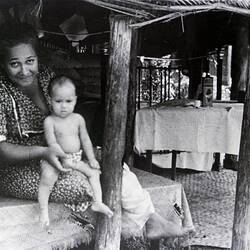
21, 122
19, 116
74, 157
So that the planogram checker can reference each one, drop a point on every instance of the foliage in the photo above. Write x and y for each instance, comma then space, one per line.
163, 79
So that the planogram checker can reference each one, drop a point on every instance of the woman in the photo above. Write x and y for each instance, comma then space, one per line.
24, 104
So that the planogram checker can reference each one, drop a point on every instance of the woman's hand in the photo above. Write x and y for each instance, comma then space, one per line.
52, 155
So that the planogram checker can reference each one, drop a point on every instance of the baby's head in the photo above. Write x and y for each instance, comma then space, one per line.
63, 96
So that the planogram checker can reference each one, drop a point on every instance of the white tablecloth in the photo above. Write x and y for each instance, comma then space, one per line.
199, 132
210, 129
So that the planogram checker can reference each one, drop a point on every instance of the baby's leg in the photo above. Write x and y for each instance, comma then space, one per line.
49, 176
94, 180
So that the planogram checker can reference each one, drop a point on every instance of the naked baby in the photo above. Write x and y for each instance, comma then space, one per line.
65, 130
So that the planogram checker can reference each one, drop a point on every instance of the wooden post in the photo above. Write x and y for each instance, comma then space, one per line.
239, 57
241, 226
227, 62
192, 49
109, 230
128, 158
219, 74
149, 157
217, 164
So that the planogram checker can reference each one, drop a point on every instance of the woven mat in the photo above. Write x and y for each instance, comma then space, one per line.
211, 197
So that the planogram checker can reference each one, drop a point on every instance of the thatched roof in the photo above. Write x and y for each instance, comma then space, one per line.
169, 9
211, 22
144, 7
145, 11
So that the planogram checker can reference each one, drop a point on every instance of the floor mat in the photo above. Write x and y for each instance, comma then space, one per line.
211, 197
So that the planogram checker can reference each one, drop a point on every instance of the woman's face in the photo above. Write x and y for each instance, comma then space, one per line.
21, 64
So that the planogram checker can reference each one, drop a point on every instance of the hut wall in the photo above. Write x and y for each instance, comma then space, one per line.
90, 73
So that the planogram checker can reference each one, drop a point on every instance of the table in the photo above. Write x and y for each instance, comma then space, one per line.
178, 128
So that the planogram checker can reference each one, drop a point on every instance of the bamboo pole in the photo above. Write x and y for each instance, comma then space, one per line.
241, 226
109, 230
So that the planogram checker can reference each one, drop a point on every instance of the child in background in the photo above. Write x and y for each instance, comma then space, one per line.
66, 131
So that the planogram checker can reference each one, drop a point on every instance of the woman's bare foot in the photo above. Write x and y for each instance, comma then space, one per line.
157, 227
102, 208
44, 220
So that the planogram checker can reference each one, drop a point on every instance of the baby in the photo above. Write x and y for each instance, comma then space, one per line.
67, 131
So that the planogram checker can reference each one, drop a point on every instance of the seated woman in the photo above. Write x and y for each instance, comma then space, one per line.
24, 104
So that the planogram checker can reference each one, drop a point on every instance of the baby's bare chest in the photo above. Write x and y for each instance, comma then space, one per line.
66, 129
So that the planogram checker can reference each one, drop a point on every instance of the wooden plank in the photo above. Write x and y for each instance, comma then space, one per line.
109, 230
241, 239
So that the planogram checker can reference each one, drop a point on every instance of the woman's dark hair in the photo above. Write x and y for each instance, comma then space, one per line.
13, 33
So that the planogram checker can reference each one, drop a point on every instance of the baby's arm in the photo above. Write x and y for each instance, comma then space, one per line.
87, 144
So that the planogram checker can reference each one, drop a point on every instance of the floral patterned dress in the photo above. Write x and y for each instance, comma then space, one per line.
21, 122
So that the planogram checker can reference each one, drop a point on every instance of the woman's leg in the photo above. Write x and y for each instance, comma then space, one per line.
139, 210
158, 227
137, 206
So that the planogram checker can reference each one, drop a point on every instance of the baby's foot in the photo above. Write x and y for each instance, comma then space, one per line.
44, 221
102, 208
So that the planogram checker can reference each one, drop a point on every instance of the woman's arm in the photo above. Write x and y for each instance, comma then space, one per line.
11, 154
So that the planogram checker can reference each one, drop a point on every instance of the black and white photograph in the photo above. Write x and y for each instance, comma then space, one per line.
124, 125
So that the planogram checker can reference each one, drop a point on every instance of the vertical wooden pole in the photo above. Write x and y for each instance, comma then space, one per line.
239, 57
227, 62
219, 74
241, 226
128, 158
109, 230
217, 164
192, 50
149, 167
239, 71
